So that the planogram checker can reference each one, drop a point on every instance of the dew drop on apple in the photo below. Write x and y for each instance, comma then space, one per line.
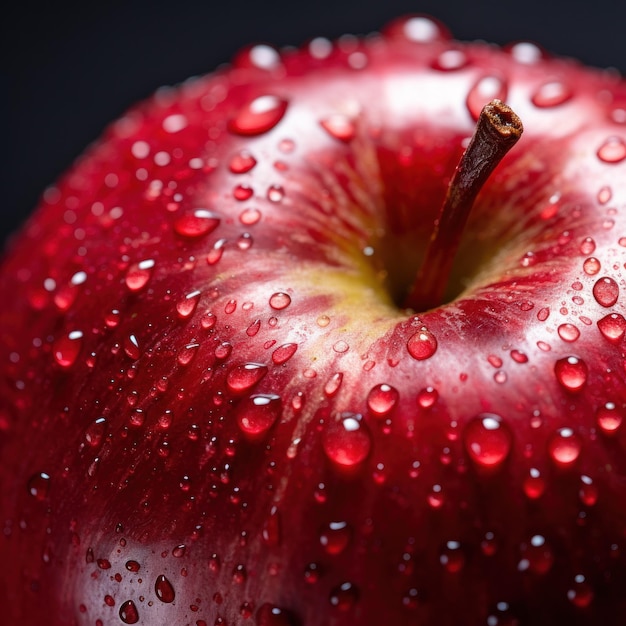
340, 127
164, 589
197, 223
534, 484
613, 150
67, 348
452, 557
248, 217
612, 327
280, 300
39, 485
243, 377
223, 351
259, 116
487, 440
243, 192
131, 347
271, 615
258, 413
381, 399
571, 372
187, 306
422, 345
242, 162
606, 291
609, 418
588, 491
128, 612
344, 596
580, 593
564, 446
537, 556
335, 537
427, 397
138, 274
347, 442
95, 432
551, 94
568, 332
283, 353
483, 91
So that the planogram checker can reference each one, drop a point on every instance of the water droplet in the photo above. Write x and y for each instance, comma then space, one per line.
243, 192
518, 356
242, 378
261, 56
571, 372
591, 266
242, 162
129, 613
335, 537
186, 307
216, 252
131, 347
67, 348
537, 556
422, 345
347, 442
283, 353
487, 440
248, 217
340, 127
564, 446
280, 300
340, 346
39, 486
132, 566
534, 484
419, 29
332, 385
568, 332
606, 291
197, 223
543, 314
588, 492
381, 399
450, 60
275, 193
612, 327
613, 150
223, 351
258, 413
551, 94
259, 116
427, 397
609, 418
587, 246
271, 615
344, 596
580, 594
604, 195
164, 589
271, 532
526, 52
230, 307
95, 432
452, 557
483, 91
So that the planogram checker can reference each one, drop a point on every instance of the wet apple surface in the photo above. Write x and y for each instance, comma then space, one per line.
218, 406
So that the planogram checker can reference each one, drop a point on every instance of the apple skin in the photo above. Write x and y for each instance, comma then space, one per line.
213, 409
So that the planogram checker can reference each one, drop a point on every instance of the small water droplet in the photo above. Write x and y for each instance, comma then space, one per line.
39, 486
534, 484
280, 300
258, 413
242, 378
216, 252
612, 327
347, 441
242, 162
587, 246
67, 348
537, 556
249, 217
580, 593
604, 195
487, 440
571, 372
271, 615
344, 596
382, 399
340, 127
95, 432
588, 492
551, 94
568, 332
243, 192
335, 537
333, 384
609, 418
450, 60
129, 613
197, 223
164, 589
275, 193
591, 266
606, 291
452, 557
186, 307
564, 446
422, 345
543, 314
483, 91
259, 116
131, 347
283, 353
613, 150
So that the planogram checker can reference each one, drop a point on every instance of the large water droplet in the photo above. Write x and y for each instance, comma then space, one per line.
242, 378
347, 442
606, 291
164, 589
129, 613
259, 116
564, 446
422, 345
487, 440
198, 223
612, 327
571, 372
67, 348
381, 399
258, 413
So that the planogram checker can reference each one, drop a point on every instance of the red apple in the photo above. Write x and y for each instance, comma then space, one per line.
227, 399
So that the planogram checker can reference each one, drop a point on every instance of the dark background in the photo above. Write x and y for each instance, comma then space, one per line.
69, 68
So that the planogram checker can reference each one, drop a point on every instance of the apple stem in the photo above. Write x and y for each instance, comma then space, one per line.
497, 130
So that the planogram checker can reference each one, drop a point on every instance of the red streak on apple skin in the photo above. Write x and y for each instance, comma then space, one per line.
126, 458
